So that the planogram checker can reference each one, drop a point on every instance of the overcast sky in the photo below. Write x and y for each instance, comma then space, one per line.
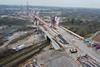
59, 3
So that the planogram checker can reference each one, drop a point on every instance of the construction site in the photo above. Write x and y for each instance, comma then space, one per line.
46, 43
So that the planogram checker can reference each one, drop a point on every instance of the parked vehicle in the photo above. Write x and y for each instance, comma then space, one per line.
88, 40
73, 50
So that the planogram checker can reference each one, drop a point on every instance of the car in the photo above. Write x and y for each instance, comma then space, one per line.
73, 50
88, 40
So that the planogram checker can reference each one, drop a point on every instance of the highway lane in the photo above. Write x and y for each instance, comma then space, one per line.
77, 42
73, 40
48, 32
53, 58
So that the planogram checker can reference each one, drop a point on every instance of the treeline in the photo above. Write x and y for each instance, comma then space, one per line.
12, 21
81, 27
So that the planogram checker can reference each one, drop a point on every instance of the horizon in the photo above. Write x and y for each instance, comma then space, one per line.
55, 3
49, 6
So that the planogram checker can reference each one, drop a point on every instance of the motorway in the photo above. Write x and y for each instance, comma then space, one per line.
83, 48
73, 40
79, 43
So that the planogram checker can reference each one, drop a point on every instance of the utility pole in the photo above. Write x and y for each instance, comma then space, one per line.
27, 7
